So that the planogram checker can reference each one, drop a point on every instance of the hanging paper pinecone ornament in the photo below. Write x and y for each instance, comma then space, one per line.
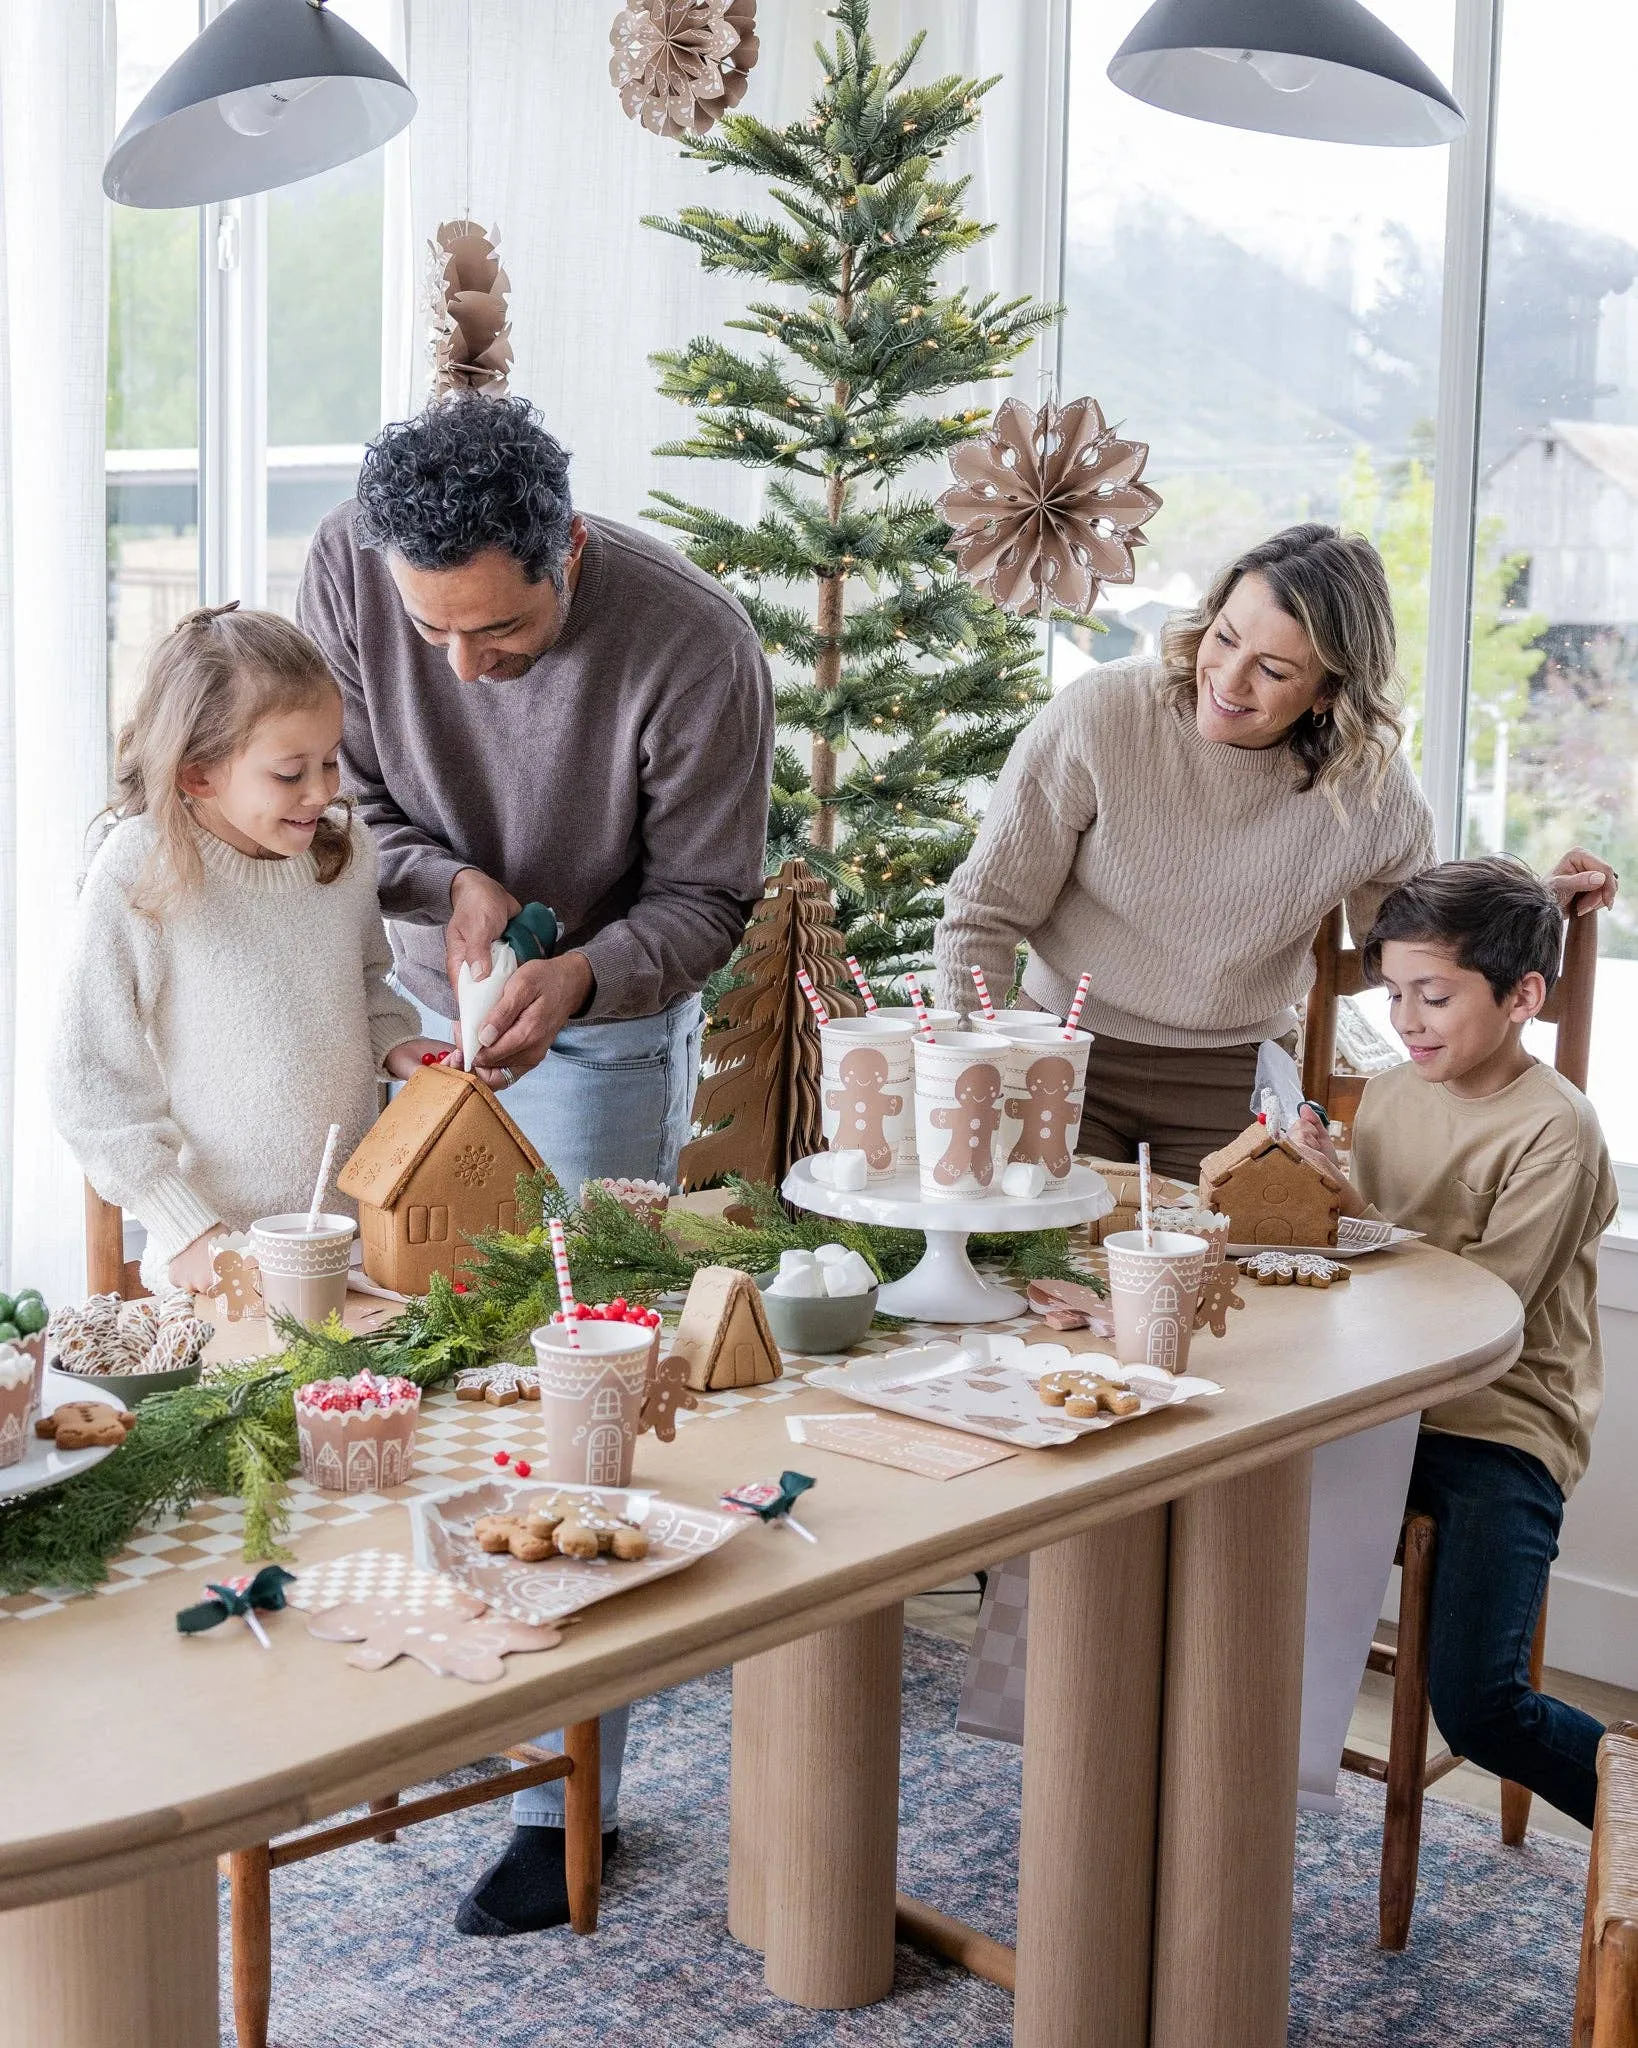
1048, 507
471, 345
680, 65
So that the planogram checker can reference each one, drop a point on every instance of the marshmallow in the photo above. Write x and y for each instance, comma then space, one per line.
795, 1262
849, 1171
799, 1283
849, 1274
829, 1254
1024, 1180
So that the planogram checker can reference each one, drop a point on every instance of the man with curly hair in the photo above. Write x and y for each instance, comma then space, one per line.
546, 707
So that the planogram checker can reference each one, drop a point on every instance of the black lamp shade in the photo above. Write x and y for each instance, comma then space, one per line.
1325, 69
272, 91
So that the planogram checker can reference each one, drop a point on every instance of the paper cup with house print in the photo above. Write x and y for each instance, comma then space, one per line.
960, 1082
1046, 1090
1154, 1290
867, 1090
304, 1272
591, 1399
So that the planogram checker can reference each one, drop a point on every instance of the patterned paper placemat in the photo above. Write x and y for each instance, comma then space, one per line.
917, 1447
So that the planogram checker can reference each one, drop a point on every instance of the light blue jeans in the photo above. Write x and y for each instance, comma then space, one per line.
608, 1099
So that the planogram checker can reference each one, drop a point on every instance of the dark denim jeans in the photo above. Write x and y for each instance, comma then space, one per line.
1498, 1512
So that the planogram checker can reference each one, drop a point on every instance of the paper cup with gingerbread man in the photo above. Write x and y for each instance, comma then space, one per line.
1045, 1074
960, 1084
867, 1092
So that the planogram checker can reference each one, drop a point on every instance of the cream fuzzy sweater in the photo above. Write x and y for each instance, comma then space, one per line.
1189, 875
201, 1059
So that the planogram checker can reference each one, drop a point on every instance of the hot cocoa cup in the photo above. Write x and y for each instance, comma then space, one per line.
357, 1435
1007, 1020
16, 1403
1046, 1088
1154, 1290
591, 1399
304, 1272
867, 1092
960, 1083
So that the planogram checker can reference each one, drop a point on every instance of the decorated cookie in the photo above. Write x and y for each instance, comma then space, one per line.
86, 1425
1288, 1269
1084, 1393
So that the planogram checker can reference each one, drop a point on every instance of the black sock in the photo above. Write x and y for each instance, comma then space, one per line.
526, 1891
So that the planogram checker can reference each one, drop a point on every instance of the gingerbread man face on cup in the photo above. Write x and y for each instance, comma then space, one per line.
972, 1121
863, 1105
1049, 1114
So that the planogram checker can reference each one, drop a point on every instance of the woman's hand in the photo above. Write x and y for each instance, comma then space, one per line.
1583, 882
412, 1054
191, 1268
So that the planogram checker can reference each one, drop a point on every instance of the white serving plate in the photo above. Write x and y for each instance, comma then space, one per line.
1356, 1237
560, 1586
42, 1463
986, 1385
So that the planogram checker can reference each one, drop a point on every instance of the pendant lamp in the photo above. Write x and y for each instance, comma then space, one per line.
271, 91
1325, 69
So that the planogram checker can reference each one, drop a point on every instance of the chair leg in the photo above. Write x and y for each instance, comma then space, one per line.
583, 1824
1407, 1740
385, 1805
1581, 2026
251, 1918
1515, 1799
1615, 2013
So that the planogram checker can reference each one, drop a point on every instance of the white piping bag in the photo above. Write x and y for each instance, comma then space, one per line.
477, 998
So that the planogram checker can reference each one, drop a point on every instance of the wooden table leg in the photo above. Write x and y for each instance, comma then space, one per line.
831, 1707
131, 1967
1097, 1608
756, 1708
1228, 1778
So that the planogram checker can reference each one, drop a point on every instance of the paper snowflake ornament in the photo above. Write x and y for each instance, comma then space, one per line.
1048, 507
466, 301
680, 65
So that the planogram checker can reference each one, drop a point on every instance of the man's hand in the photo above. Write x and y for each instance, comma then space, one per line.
191, 1267
1583, 882
479, 911
534, 1006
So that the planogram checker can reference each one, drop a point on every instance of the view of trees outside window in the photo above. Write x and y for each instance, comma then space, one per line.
153, 383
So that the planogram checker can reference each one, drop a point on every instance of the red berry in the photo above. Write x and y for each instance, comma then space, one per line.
522, 1468
430, 1059
582, 1311
461, 1287
617, 1307
503, 1457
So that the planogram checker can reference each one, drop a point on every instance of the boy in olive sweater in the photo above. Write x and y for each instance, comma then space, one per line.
1498, 1159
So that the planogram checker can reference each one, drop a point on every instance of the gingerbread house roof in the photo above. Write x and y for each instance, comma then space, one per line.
408, 1128
1256, 1141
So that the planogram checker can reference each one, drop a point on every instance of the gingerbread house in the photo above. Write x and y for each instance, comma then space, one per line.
440, 1164
723, 1334
1271, 1191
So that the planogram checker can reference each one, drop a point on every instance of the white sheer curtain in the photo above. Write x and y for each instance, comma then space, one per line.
56, 102
519, 127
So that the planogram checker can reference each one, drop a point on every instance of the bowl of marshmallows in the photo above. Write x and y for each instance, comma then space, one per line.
820, 1301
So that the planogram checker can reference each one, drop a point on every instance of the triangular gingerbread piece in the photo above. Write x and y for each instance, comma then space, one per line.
723, 1334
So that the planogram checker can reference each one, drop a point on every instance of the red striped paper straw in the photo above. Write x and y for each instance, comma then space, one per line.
1076, 1007
983, 986
914, 987
804, 982
861, 985
1143, 1199
565, 1286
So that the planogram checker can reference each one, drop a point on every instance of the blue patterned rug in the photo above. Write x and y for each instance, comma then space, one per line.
365, 1956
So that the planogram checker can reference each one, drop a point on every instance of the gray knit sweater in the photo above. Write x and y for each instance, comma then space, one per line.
1189, 875
623, 780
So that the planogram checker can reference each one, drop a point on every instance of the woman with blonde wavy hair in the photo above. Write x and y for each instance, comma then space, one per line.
1180, 827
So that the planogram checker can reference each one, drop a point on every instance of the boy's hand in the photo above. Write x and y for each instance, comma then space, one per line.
191, 1268
404, 1059
1310, 1136
1583, 882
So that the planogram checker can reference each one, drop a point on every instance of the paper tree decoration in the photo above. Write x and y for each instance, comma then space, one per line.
722, 1335
471, 344
762, 1079
680, 65
1048, 506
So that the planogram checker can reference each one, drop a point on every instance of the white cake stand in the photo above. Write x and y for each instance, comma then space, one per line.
945, 1287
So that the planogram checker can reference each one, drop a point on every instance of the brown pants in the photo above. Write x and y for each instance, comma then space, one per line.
1186, 1100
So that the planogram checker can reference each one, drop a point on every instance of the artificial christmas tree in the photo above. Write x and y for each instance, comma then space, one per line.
912, 693
761, 1089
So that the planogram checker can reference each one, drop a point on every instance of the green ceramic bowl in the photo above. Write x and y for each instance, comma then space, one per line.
131, 1387
820, 1325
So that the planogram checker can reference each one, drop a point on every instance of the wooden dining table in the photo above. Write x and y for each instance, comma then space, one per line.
1164, 1689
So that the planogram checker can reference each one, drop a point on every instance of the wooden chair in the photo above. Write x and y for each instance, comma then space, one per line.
1606, 1990
250, 1871
1407, 1770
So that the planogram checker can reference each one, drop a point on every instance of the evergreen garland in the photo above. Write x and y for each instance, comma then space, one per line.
910, 696
235, 1432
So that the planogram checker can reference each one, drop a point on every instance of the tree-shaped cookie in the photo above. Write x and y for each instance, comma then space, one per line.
758, 1102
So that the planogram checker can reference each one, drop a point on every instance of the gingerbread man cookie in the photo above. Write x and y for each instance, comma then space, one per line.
1048, 1115
863, 1106
972, 1121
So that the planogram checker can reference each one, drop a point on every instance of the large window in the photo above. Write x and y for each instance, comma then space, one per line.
1552, 725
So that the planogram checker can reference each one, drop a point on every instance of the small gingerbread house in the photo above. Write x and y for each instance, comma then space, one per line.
438, 1165
723, 1334
1271, 1191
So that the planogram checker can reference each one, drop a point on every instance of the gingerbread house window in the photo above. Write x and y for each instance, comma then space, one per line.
606, 1403
1166, 1299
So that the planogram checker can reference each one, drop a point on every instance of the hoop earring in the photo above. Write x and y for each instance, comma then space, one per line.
1320, 717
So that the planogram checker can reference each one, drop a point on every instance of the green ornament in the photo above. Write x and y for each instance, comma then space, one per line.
30, 1317
10, 1334
8, 1308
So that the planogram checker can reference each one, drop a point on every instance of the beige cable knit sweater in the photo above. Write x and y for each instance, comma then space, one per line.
1190, 876
201, 1060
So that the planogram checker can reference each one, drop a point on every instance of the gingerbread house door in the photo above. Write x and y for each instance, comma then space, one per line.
603, 1455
